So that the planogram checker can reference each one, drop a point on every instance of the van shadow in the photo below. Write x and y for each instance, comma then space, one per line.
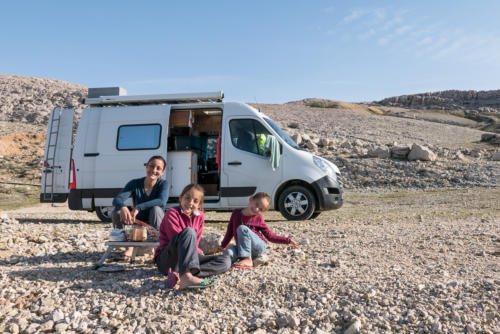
59, 221
134, 280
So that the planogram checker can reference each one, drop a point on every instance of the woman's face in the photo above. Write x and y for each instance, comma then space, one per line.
154, 169
191, 201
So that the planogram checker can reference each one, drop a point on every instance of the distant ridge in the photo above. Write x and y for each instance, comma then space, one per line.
30, 100
483, 101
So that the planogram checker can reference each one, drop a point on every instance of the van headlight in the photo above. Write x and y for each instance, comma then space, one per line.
325, 166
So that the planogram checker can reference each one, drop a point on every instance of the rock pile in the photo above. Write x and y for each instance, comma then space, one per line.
366, 164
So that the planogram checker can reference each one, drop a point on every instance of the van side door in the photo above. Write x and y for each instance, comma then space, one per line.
245, 165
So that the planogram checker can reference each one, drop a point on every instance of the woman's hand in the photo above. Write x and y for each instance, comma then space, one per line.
134, 213
126, 216
294, 244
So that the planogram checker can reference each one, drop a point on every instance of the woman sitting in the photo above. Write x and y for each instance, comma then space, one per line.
149, 195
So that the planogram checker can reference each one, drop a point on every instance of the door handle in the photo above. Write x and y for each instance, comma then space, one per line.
234, 163
90, 154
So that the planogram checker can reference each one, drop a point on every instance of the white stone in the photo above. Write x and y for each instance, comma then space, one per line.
419, 152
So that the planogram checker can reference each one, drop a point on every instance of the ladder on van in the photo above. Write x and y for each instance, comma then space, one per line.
48, 162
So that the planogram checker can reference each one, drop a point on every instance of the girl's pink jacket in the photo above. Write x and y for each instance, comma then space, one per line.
174, 222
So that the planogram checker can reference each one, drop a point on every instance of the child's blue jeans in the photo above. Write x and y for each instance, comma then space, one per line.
248, 244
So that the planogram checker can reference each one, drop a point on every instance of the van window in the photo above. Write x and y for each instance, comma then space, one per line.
138, 137
248, 135
282, 134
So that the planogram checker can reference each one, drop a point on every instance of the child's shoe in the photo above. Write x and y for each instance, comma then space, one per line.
261, 260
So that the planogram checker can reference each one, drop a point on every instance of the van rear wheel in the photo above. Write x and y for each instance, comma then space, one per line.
104, 213
296, 203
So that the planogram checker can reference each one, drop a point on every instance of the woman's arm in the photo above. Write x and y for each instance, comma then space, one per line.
160, 200
125, 193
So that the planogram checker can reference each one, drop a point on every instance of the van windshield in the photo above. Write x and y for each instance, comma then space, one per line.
282, 133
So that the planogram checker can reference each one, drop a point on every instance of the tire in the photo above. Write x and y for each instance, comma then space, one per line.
104, 213
297, 203
315, 215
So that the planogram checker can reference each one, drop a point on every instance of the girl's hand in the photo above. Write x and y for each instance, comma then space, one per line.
294, 244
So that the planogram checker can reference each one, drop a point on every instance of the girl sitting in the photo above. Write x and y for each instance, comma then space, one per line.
178, 255
250, 232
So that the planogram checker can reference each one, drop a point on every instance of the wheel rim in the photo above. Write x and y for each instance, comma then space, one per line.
296, 203
106, 211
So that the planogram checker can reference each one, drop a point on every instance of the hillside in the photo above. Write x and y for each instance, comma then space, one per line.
30, 100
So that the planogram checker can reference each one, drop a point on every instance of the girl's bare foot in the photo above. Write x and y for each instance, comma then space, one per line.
246, 261
187, 279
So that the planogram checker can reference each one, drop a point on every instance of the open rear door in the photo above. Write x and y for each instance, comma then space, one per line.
57, 157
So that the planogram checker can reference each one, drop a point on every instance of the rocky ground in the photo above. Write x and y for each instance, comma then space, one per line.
407, 262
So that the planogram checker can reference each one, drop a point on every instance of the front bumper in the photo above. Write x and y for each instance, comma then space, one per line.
329, 193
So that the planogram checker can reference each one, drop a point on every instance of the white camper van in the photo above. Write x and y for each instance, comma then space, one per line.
220, 145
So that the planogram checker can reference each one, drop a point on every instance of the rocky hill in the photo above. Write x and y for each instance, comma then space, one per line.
483, 101
30, 100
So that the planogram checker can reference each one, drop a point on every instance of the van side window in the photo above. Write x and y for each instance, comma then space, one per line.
248, 135
138, 137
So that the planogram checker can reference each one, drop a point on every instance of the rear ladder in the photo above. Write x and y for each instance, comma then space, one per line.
48, 189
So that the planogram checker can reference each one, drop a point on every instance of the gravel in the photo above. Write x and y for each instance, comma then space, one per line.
413, 261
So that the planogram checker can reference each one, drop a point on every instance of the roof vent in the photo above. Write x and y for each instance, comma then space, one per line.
106, 91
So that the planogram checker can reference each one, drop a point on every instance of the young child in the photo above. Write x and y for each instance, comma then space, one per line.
250, 232
178, 255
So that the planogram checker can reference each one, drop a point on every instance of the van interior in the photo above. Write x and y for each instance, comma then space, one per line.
197, 130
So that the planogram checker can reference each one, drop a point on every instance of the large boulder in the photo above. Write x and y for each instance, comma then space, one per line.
210, 243
419, 152
496, 156
400, 151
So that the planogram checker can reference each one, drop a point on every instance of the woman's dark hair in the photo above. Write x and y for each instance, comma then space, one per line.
157, 157
194, 186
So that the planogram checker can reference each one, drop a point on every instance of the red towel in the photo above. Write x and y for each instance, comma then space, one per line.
217, 157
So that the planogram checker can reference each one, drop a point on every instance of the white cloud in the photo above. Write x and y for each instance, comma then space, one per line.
367, 34
402, 32
354, 15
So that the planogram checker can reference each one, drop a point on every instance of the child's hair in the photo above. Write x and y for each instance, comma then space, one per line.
194, 186
157, 157
262, 195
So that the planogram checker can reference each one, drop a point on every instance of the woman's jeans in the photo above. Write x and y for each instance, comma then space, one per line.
249, 244
153, 216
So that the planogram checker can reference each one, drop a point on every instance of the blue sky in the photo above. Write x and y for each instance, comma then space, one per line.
257, 51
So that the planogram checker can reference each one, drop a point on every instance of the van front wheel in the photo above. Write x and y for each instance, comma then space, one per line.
296, 203
104, 213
